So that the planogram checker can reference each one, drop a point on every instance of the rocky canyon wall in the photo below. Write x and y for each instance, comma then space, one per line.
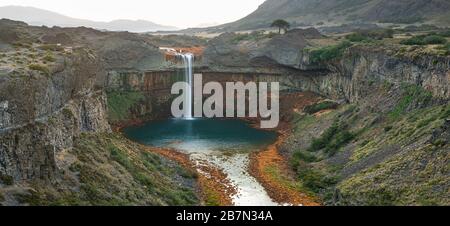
137, 96
354, 75
41, 114
350, 75
349, 78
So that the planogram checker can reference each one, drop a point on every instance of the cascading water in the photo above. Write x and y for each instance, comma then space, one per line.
188, 59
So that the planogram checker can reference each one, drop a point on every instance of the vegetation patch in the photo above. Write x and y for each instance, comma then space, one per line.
425, 40
392, 157
119, 104
49, 57
113, 171
304, 156
212, 197
40, 67
67, 113
324, 105
253, 36
6, 179
153, 163
370, 35
329, 52
332, 139
51, 47
445, 48
412, 94
313, 179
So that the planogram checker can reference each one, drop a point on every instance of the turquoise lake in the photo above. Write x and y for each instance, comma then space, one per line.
201, 134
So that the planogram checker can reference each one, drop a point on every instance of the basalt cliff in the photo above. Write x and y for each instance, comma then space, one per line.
378, 137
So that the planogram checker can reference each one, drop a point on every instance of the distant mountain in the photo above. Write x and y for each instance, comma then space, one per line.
39, 17
337, 12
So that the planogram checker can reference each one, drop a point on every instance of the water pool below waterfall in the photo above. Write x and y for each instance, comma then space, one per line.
225, 144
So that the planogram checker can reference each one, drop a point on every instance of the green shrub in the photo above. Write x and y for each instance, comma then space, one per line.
313, 179
340, 139
49, 57
424, 40
369, 35
324, 105
388, 128
321, 142
416, 40
332, 139
356, 37
67, 113
434, 40
304, 156
39, 67
329, 52
6, 179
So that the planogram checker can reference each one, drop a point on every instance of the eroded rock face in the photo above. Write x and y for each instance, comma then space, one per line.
349, 77
353, 76
40, 115
285, 50
223, 51
28, 152
5, 116
154, 89
127, 51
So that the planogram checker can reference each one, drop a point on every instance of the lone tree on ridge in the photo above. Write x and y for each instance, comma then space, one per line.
281, 25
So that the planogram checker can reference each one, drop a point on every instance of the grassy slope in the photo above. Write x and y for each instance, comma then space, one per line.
390, 159
110, 170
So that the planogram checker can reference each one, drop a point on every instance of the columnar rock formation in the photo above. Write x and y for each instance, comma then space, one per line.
41, 115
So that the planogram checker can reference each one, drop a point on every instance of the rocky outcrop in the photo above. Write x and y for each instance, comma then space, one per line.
350, 76
151, 91
287, 49
223, 52
29, 151
259, 50
42, 114
128, 51
354, 75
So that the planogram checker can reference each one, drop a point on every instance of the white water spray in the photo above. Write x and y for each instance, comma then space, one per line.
188, 59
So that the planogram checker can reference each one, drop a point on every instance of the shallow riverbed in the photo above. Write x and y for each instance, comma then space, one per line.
225, 144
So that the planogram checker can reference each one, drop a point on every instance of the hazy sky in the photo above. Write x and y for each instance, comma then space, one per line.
180, 13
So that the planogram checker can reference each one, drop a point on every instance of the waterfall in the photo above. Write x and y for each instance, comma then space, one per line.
188, 59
